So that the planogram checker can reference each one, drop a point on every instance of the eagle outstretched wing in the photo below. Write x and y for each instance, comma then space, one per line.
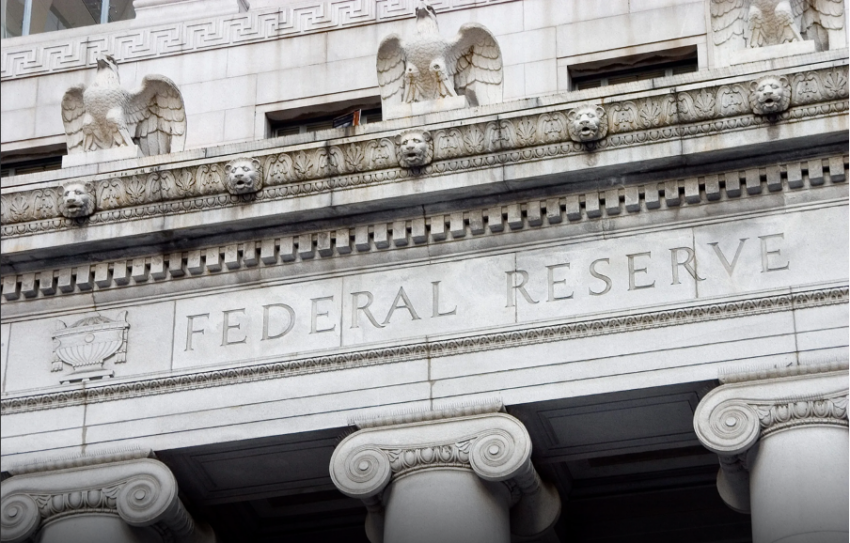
728, 19
73, 112
391, 60
156, 116
475, 61
827, 13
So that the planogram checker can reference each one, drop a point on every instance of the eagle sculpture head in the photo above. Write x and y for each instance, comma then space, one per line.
106, 61
426, 16
107, 70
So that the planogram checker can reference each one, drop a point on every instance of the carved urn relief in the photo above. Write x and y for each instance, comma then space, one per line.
88, 344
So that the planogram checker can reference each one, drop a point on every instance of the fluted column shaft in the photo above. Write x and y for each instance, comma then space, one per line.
783, 446
466, 478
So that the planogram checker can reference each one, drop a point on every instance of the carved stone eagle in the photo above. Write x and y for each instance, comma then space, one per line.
105, 115
773, 22
428, 67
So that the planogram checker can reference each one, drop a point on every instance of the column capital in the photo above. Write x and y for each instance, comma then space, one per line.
731, 418
495, 446
749, 406
140, 490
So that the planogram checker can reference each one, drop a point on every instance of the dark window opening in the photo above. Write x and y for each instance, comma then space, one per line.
32, 161
634, 68
25, 17
324, 117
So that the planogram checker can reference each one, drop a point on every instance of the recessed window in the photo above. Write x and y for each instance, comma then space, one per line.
323, 117
634, 68
25, 17
32, 161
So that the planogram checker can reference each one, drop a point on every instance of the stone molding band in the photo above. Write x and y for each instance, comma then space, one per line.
485, 342
401, 234
255, 25
142, 491
172, 190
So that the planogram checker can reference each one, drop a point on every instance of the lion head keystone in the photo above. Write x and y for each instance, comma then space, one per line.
76, 201
243, 175
587, 123
414, 148
770, 95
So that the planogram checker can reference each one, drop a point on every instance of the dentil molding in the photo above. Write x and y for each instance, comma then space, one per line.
141, 491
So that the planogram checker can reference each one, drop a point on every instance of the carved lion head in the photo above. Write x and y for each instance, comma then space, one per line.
770, 95
414, 148
587, 123
77, 201
243, 175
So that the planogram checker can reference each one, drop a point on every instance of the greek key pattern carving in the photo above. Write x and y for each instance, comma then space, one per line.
485, 342
470, 147
401, 234
255, 25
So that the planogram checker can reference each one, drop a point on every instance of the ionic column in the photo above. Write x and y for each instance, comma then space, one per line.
463, 478
783, 447
98, 500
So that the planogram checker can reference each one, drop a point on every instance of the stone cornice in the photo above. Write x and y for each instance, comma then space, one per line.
466, 146
731, 418
404, 233
143, 492
413, 351
76, 49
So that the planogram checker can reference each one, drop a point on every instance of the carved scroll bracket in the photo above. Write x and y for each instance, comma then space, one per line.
732, 418
495, 446
141, 491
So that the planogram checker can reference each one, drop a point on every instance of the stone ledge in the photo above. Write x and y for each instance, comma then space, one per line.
476, 144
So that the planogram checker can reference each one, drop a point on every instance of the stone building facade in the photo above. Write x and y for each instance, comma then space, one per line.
552, 271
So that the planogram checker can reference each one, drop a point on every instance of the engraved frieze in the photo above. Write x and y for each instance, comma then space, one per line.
814, 87
642, 114
88, 344
416, 351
